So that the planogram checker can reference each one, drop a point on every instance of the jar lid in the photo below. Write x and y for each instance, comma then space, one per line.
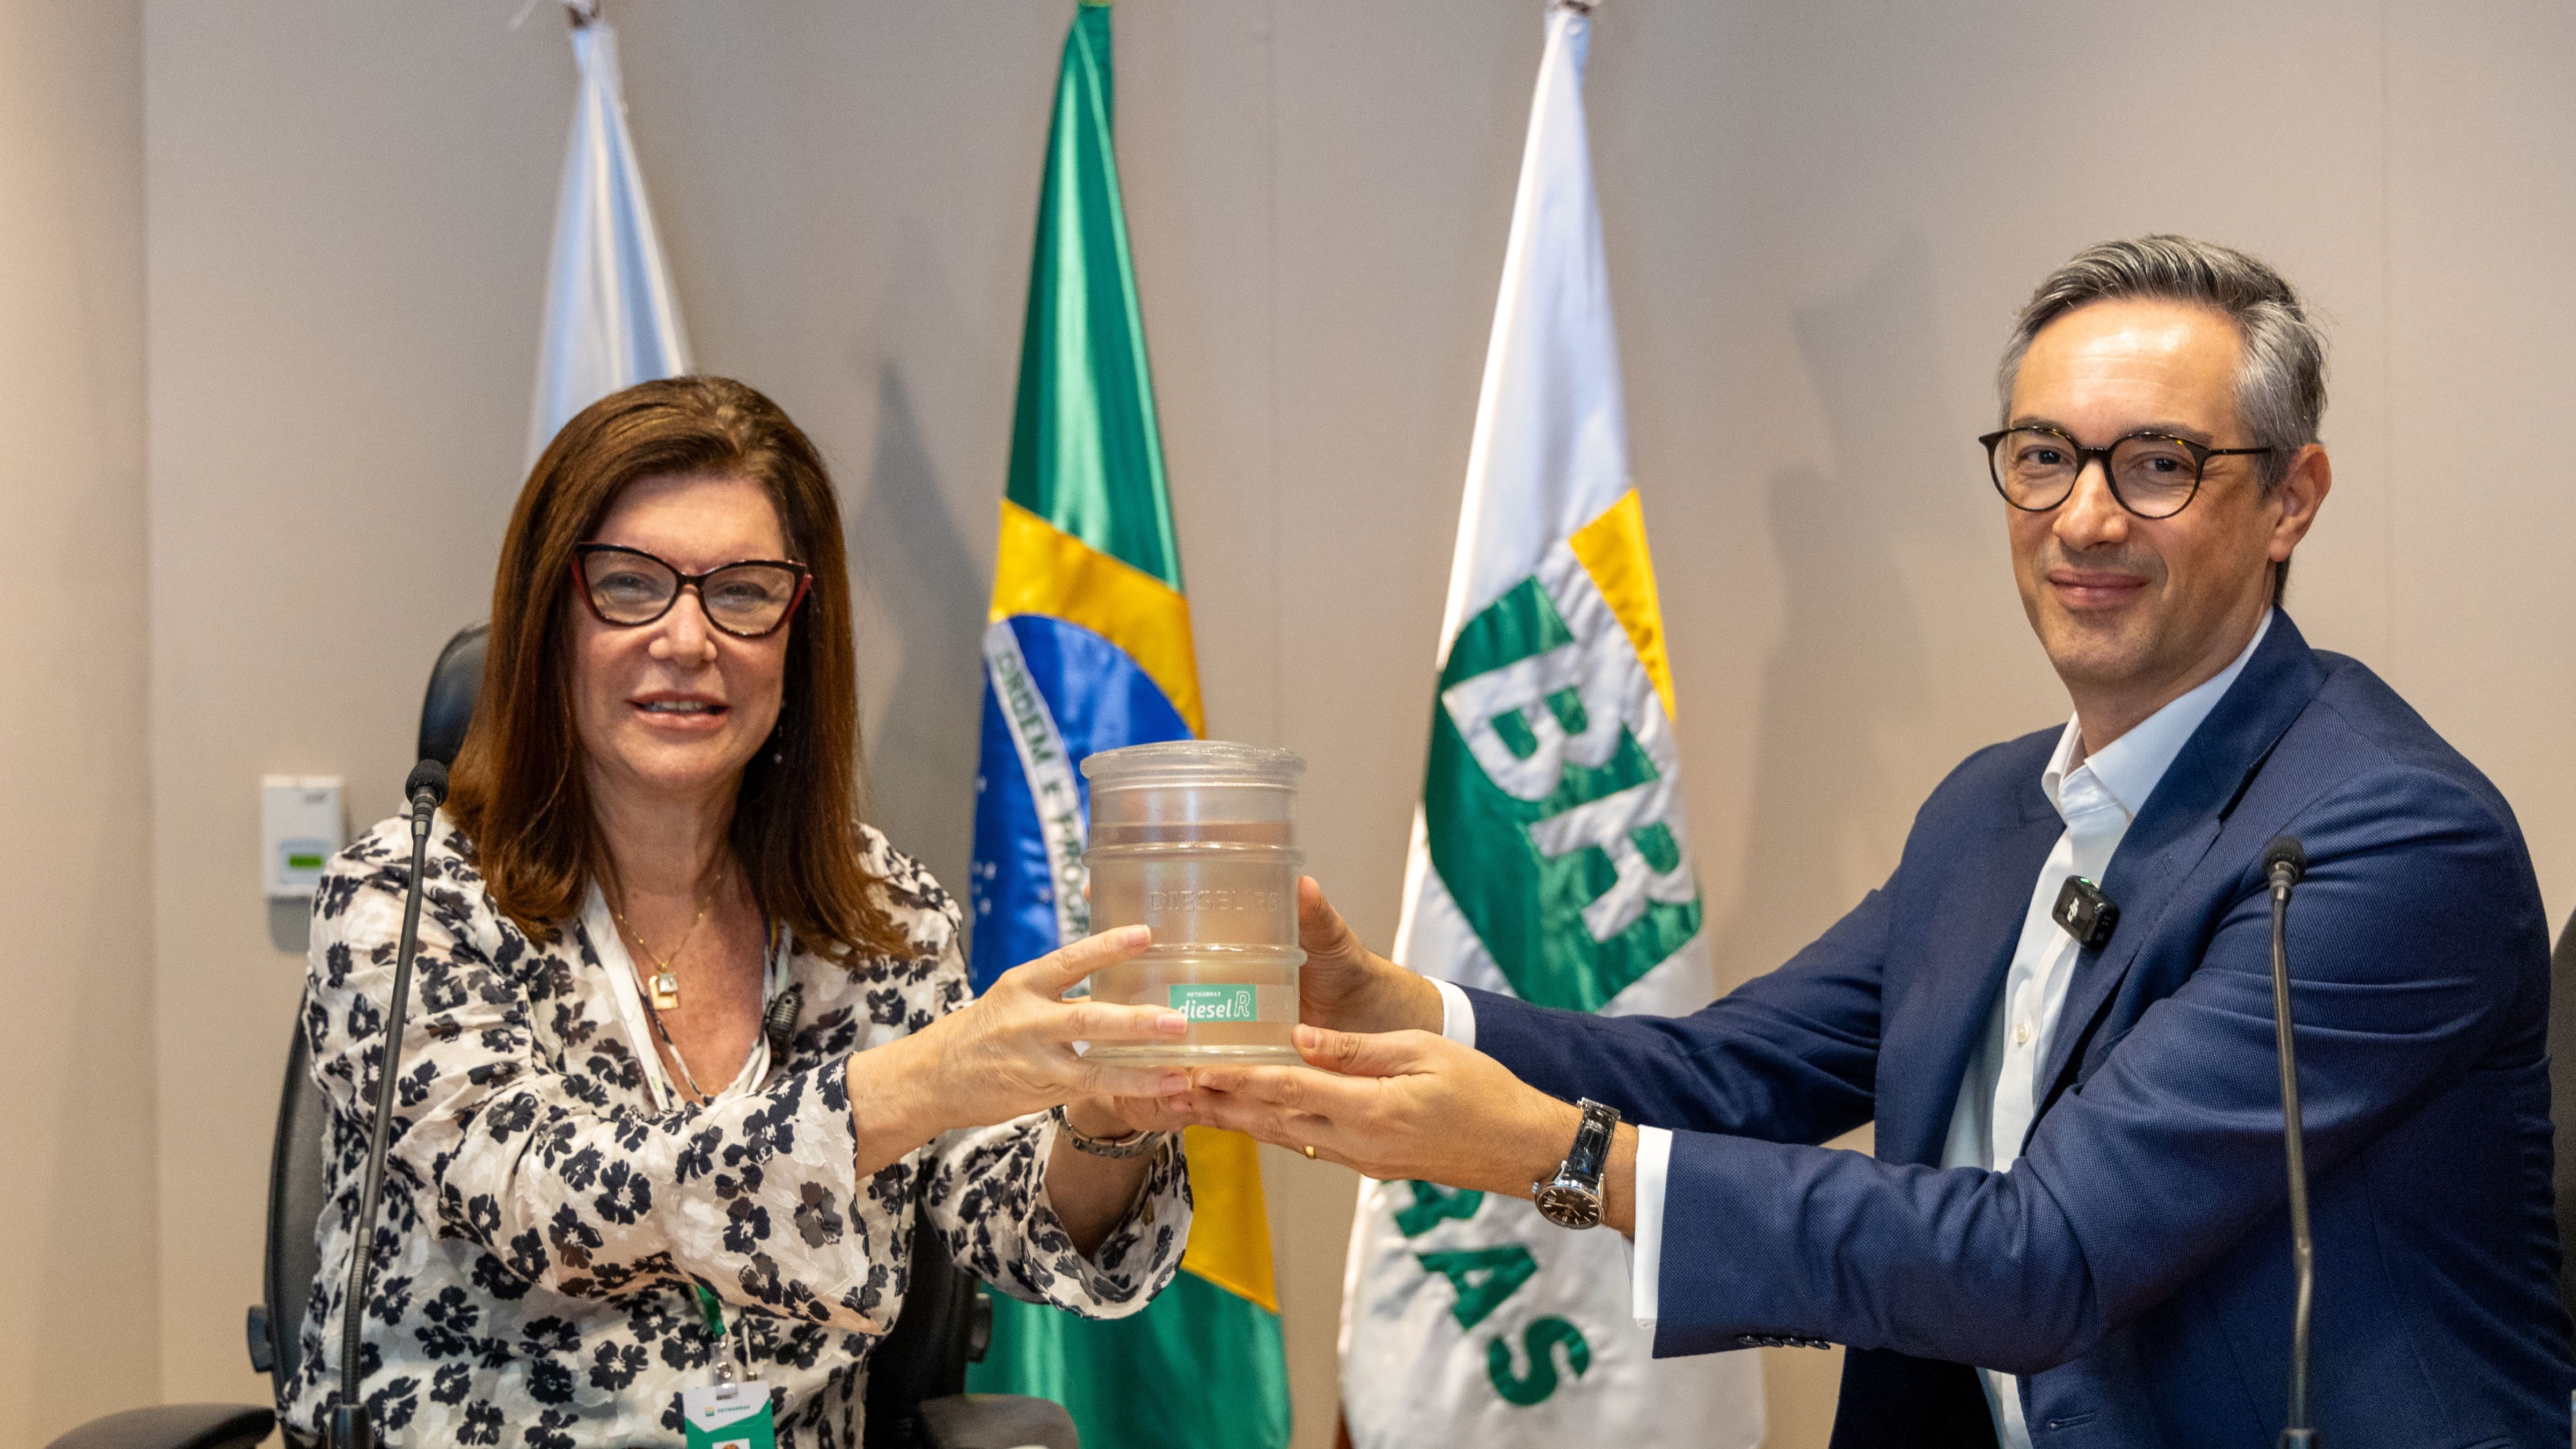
1193, 762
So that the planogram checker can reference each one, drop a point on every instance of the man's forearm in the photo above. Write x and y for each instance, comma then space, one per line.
1386, 998
1412, 1002
1619, 1183
1539, 1152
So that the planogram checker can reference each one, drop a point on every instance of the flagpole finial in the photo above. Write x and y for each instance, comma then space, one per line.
582, 13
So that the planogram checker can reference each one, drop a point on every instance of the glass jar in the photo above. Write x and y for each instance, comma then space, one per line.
1197, 839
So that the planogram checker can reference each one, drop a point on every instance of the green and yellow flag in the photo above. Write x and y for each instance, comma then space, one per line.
1087, 649
1549, 861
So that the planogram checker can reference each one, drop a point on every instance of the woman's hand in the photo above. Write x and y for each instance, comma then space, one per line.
1009, 1053
1345, 986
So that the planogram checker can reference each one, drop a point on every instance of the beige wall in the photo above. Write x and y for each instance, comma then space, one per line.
1819, 216
76, 1190
344, 275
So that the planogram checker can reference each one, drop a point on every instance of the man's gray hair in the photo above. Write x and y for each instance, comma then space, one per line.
2281, 371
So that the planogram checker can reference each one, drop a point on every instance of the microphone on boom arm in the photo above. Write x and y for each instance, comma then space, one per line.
2285, 862
348, 1427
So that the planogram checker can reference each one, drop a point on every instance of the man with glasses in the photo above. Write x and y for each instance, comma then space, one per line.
2073, 1229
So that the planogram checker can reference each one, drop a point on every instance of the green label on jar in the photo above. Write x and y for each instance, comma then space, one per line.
1214, 1003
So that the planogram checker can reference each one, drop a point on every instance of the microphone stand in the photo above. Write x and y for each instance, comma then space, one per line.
348, 1426
2287, 862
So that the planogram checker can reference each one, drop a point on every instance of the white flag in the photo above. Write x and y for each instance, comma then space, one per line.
1548, 861
612, 319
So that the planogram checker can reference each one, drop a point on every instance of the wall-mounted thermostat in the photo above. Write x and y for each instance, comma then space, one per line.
301, 826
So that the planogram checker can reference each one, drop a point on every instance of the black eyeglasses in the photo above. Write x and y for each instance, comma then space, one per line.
628, 587
2153, 475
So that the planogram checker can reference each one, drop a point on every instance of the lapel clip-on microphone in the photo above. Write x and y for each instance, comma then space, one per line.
2085, 913
2285, 861
347, 1426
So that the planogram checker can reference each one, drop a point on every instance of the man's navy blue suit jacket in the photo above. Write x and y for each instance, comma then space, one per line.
2134, 1265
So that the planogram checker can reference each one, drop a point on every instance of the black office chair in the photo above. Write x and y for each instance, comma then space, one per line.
916, 1391
2562, 1101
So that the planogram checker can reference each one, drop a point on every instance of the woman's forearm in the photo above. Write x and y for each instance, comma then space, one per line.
895, 1103
1092, 1194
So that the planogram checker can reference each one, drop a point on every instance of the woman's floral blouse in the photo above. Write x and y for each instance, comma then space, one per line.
543, 1219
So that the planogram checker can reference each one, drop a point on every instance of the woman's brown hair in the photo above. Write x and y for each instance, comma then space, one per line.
519, 788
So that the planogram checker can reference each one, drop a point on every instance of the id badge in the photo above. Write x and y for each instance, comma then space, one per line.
728, 1416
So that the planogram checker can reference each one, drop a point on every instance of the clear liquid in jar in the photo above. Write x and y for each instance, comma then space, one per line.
1242, 1005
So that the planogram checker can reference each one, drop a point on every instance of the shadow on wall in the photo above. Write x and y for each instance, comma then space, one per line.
910, 558
1849, 671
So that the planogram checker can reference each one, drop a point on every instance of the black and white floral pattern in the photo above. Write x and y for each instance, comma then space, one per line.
543, 1221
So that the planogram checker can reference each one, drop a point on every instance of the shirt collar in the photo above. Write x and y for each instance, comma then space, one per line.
2129, 767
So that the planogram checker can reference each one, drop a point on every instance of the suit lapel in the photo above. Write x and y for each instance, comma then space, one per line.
2179, 823
1969, 947
2142, 881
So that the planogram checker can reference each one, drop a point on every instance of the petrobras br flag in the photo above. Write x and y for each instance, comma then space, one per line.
1087, 648
612, 320
1549, 861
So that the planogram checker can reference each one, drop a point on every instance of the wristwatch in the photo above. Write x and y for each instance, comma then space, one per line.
1572, 1199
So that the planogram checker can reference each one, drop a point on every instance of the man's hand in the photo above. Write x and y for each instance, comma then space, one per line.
1345, 986
1118, 1116
1409, 1104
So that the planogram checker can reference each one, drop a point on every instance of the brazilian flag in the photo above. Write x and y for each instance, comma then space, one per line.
1088, 649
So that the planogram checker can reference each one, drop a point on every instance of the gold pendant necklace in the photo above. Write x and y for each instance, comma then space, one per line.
664, 983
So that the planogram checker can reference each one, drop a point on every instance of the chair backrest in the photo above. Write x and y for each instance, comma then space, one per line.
454, 681
295, 1199
2562, 1102
944, 1324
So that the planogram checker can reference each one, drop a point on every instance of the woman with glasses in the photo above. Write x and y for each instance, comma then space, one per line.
691, 1045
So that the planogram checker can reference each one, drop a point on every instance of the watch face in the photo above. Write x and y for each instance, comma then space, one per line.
1569, 1207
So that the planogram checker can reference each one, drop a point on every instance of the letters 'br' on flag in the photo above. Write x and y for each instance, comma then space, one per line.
1549, 861
612, 320
1087, 648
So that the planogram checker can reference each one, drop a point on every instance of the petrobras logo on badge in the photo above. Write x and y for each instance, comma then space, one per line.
727, 1416
1200, 1002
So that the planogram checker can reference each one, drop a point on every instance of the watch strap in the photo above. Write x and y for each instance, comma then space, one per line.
1589, 1158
